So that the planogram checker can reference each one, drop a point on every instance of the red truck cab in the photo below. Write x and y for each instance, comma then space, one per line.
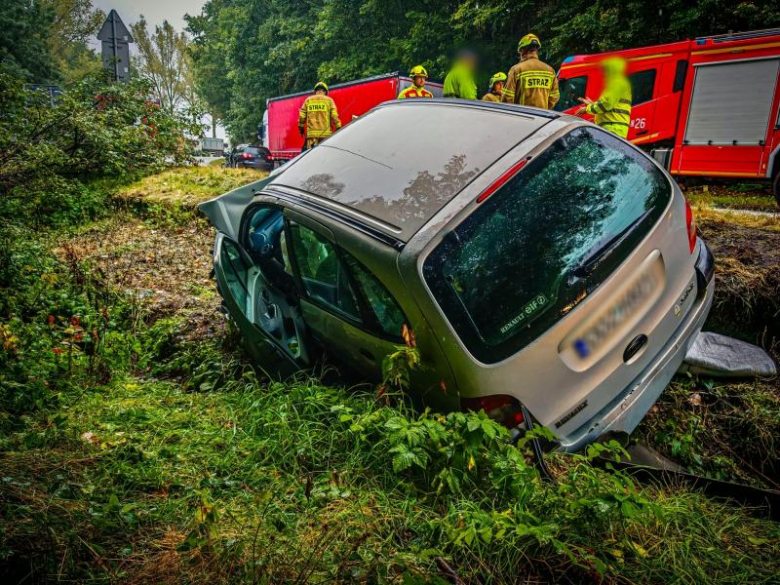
705, 107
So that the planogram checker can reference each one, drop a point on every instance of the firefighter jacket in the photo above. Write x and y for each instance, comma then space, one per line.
459, 83
318, 116
414, 92
532, 83
491, 97
613, 108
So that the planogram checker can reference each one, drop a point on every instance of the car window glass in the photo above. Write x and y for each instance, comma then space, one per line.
642, 86
388, 313
322, 273
505, 275
571, 90
235, 271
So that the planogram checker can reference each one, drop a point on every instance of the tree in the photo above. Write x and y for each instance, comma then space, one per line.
75, 23
164, 62
24, 50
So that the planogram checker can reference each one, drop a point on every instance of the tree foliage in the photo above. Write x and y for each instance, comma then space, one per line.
247, 51
98, 130
163, 61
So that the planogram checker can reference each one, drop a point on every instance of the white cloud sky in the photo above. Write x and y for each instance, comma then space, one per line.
155, 11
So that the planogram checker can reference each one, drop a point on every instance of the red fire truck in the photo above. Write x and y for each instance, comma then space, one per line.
279, 131
706, 107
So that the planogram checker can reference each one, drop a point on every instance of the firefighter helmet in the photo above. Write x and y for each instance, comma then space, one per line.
529, 42
418, 71
496, 78
321, 85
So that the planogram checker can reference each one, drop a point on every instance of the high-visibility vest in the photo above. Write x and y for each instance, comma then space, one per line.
532, 82
414, 92
318, 116
613, 108
459, 83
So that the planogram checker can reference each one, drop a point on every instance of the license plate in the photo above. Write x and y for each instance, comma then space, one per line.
609, 323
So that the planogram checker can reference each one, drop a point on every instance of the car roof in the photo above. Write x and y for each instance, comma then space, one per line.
405, 160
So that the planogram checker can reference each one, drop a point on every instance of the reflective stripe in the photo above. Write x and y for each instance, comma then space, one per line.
625, 101
619, 111
614, 124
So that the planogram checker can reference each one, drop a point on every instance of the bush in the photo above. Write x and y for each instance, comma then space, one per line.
51, 155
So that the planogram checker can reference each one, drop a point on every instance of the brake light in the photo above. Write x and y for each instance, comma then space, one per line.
690, 224
501, 181
246, 155
270, 157
501, 408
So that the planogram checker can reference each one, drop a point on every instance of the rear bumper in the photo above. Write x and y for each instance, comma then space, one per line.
624, 414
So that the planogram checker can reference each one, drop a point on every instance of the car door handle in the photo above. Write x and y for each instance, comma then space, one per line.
642, 133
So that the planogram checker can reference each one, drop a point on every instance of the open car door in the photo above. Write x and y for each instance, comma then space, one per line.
270, 325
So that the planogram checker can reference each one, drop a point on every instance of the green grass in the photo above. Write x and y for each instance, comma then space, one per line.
144, 481
754, 197
137, 454
187, 186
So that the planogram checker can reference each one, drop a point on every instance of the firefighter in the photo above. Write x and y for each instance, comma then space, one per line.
531, 82
417, 89
495, 88
613, 108
318, 117
459, 82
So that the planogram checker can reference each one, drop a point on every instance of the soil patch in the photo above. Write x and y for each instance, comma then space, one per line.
167, 270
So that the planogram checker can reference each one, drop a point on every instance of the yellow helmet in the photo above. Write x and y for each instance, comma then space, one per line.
529, 42
496, 78
321, 85
418, 71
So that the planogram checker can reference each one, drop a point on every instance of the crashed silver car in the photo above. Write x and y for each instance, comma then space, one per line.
541, 262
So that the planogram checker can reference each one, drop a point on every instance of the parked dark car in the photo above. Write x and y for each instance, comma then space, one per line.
539, 260
250, 156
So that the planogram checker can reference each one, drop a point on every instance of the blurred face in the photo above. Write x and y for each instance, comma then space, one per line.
498, 86
418, 80
469, 62
320, 91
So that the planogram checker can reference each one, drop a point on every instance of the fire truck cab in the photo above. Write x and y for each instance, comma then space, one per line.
705, 107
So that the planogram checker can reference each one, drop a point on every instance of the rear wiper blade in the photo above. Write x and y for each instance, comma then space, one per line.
605, 249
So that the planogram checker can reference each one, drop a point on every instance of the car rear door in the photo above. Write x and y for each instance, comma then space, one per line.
340, 307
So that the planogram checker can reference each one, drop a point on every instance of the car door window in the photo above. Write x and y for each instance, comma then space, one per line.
236, 272
571, 90
642, 86
322, 273
388, 314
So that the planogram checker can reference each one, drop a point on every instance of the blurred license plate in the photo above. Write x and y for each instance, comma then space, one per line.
598, 333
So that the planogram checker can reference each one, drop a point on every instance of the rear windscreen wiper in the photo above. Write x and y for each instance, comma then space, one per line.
604, 249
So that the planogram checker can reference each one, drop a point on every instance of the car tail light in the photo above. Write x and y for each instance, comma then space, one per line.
501, 181
246, 155
270, 157
501, 408
690, 224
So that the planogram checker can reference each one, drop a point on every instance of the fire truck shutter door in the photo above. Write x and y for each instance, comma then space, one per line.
731, 102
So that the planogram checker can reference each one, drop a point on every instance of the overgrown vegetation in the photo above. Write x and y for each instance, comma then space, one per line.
137, 448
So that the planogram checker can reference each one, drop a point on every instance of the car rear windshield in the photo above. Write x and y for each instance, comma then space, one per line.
542, 242
252, 150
